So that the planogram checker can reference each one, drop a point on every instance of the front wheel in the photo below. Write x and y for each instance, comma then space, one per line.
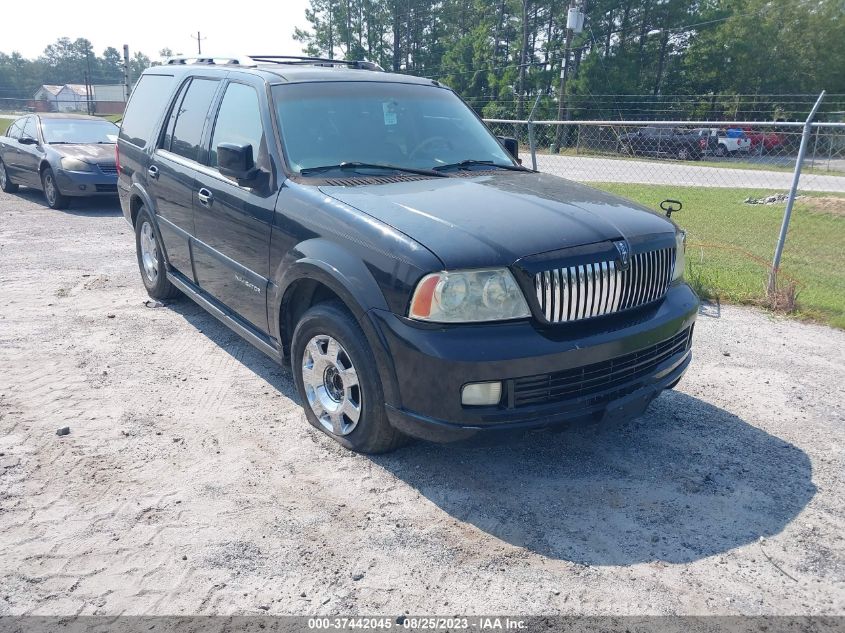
151, 259
6, 185
55, 198
337, 380
722, 150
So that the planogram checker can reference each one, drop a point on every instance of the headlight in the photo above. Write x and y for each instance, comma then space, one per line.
74, 164
469, 295
680, 260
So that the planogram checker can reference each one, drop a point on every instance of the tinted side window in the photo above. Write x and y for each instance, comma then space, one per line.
145, 105
190, 120
238, 121
30, 130
167, 136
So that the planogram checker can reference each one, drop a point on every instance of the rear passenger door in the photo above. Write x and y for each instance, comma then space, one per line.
10, 152
172, 182
29, 158
233, 220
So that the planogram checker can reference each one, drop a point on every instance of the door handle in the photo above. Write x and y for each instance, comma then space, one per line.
205, 197
153, 171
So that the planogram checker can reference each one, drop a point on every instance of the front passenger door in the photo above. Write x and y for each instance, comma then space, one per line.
233, 220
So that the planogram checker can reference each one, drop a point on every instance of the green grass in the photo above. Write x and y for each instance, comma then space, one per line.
730, 245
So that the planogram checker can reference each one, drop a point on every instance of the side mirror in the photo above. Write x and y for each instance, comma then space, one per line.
235, 161
511, 145
27, 140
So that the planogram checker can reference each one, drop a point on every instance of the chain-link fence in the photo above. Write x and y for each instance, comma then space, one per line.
735, 181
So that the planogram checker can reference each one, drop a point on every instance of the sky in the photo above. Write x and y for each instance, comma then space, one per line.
264, 28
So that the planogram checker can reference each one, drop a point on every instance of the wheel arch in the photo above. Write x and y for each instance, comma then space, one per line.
318, 270
138, 198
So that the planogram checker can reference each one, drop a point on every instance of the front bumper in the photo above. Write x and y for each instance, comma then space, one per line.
83, 183
431, 364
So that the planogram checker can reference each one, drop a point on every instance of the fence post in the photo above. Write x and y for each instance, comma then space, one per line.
531, 141
793, 190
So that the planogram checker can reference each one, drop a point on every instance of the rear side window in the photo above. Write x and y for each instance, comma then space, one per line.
238, 121
148, 100
190, 120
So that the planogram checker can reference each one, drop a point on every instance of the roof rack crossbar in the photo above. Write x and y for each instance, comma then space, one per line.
360, 64
251, 61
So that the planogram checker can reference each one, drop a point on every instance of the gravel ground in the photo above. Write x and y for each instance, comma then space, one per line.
190, 482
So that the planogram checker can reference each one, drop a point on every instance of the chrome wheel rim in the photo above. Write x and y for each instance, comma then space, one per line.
331, 385
149, 252
2, 175
50, 189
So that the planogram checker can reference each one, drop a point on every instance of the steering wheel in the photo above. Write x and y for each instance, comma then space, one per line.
429, 141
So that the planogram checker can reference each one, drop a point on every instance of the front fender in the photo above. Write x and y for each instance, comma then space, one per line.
349, 278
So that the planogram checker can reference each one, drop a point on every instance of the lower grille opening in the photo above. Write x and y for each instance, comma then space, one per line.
605, 381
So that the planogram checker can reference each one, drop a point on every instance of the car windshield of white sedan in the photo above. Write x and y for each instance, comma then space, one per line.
379, 123
78, 131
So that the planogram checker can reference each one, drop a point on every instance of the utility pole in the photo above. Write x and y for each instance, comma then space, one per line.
87, 94
199, 42
126, 83
574, 24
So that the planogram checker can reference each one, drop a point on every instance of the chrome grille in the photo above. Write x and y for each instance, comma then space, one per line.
599, 288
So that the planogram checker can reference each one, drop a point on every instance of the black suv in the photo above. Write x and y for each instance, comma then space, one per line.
664, 141
368, 230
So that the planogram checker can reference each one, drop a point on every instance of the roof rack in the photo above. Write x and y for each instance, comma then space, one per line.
211, 60
252, 61
359, 64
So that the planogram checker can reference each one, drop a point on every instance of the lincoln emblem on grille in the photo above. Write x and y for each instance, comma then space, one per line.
624, 255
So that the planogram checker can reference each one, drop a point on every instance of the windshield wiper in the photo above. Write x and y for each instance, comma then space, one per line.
352, 165
472, 162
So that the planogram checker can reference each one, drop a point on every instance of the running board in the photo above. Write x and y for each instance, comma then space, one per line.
222, 316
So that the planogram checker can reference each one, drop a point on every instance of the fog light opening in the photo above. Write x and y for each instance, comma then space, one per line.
481, 393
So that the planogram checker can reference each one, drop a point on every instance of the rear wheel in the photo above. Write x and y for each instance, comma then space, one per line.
722, 150
55, 198
337, 379
684, 153
6, 185
151, 259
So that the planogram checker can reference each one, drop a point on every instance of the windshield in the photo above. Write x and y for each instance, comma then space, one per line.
403, 125
78, 131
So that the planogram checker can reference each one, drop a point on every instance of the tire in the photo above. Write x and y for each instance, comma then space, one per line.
55, 198
336, 377
722, 150
6, 185
151, 260
684, 153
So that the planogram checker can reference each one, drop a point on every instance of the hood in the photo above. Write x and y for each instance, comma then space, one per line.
497, 218
91, 153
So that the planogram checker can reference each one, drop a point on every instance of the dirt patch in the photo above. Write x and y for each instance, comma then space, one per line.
191, 483
830, 205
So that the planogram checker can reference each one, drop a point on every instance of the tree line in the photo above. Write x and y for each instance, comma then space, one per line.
633, 59
65, 61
